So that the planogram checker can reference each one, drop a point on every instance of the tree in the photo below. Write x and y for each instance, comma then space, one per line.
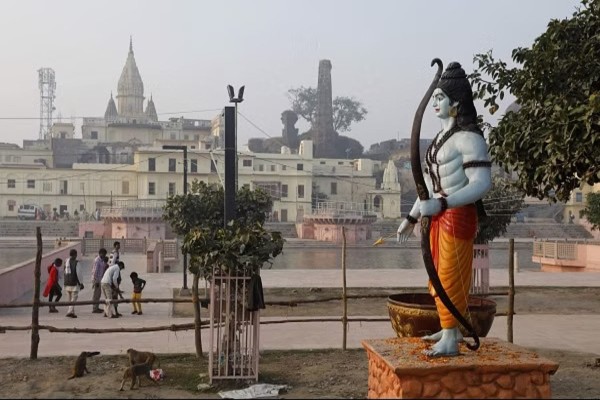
346, 110
592, 210
243, 246
501, 202
553, 140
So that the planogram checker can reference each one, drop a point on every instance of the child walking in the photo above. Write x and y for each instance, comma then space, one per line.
138, 286
52, 286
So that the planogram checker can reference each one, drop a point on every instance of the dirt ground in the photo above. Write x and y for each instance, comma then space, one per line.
310, 374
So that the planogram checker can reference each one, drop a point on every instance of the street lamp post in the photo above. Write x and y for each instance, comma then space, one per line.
184, 290
236, 100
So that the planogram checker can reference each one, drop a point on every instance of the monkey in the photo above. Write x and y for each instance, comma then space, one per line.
81, 364
142, 357
134, 372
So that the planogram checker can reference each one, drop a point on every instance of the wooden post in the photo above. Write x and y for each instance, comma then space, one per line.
35, 310
511, 290
344, 298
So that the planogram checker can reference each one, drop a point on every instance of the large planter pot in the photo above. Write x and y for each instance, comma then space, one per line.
415, 314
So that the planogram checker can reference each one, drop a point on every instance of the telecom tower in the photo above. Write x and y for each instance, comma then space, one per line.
47, 86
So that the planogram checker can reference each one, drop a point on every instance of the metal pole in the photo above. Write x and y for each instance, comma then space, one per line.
235, 146
185, 190
184, 289
230, 172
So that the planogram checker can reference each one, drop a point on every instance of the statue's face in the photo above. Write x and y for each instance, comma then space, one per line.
441, 103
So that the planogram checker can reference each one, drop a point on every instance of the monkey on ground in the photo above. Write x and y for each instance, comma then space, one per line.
134, 372
142, 357
81, 363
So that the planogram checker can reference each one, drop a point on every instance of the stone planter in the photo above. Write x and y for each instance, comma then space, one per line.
415, 314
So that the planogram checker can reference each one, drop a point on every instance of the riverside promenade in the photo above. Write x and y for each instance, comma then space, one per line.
566, 332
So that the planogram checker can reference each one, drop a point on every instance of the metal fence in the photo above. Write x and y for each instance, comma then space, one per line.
92, 245
234, 330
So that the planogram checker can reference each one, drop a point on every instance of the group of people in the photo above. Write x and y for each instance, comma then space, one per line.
106, 280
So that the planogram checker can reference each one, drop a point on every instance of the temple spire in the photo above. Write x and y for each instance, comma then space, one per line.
130, 44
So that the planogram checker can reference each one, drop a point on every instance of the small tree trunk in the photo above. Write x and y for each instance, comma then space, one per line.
511, 290
197, 321
35, 310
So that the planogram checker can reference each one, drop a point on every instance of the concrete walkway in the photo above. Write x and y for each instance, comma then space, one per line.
539, 330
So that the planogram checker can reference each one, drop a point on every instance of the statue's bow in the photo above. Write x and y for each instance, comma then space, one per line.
415, 160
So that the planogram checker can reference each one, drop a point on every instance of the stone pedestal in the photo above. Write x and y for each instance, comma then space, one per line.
398, 369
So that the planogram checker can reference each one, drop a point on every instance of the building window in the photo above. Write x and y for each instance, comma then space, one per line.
82, 186
340, 163
11, 206
30, 183
47, 186
171, 188
579, 197
300, 167
172, 164
333, 187
186, 137
261, 167
272, 168
125, 187
247, 163
283, 167
12, 183
81, 207
152, 164
194, 165
322, 163
64, 186
94, 135
151, 188
284, 190
300, 191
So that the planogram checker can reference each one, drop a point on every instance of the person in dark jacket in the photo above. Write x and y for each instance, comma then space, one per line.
72, 282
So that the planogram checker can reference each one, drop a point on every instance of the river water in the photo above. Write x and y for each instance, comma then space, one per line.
331, 257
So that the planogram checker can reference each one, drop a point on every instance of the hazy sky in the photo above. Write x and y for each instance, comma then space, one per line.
188, 51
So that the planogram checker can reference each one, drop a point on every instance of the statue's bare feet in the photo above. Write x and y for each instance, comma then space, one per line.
447, 345
438, 335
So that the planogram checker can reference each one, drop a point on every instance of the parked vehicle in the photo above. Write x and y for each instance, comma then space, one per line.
30, 211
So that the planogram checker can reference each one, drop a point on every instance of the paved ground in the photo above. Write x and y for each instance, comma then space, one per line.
549, 331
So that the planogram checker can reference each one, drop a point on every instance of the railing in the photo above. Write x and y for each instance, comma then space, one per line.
134, 208
480, 280
556, 249
92, 245
334, 208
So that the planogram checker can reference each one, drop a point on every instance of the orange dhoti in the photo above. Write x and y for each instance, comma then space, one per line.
451, 237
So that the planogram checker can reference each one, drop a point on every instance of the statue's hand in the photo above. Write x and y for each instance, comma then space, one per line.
404, 231
430, 207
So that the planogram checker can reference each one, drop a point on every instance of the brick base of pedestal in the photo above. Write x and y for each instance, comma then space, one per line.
398, 369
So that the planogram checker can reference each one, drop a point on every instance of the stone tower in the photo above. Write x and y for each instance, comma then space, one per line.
130, 91
323, 134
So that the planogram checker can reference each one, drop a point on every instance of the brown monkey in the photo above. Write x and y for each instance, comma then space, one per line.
81, 363
142, 357
134, 372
